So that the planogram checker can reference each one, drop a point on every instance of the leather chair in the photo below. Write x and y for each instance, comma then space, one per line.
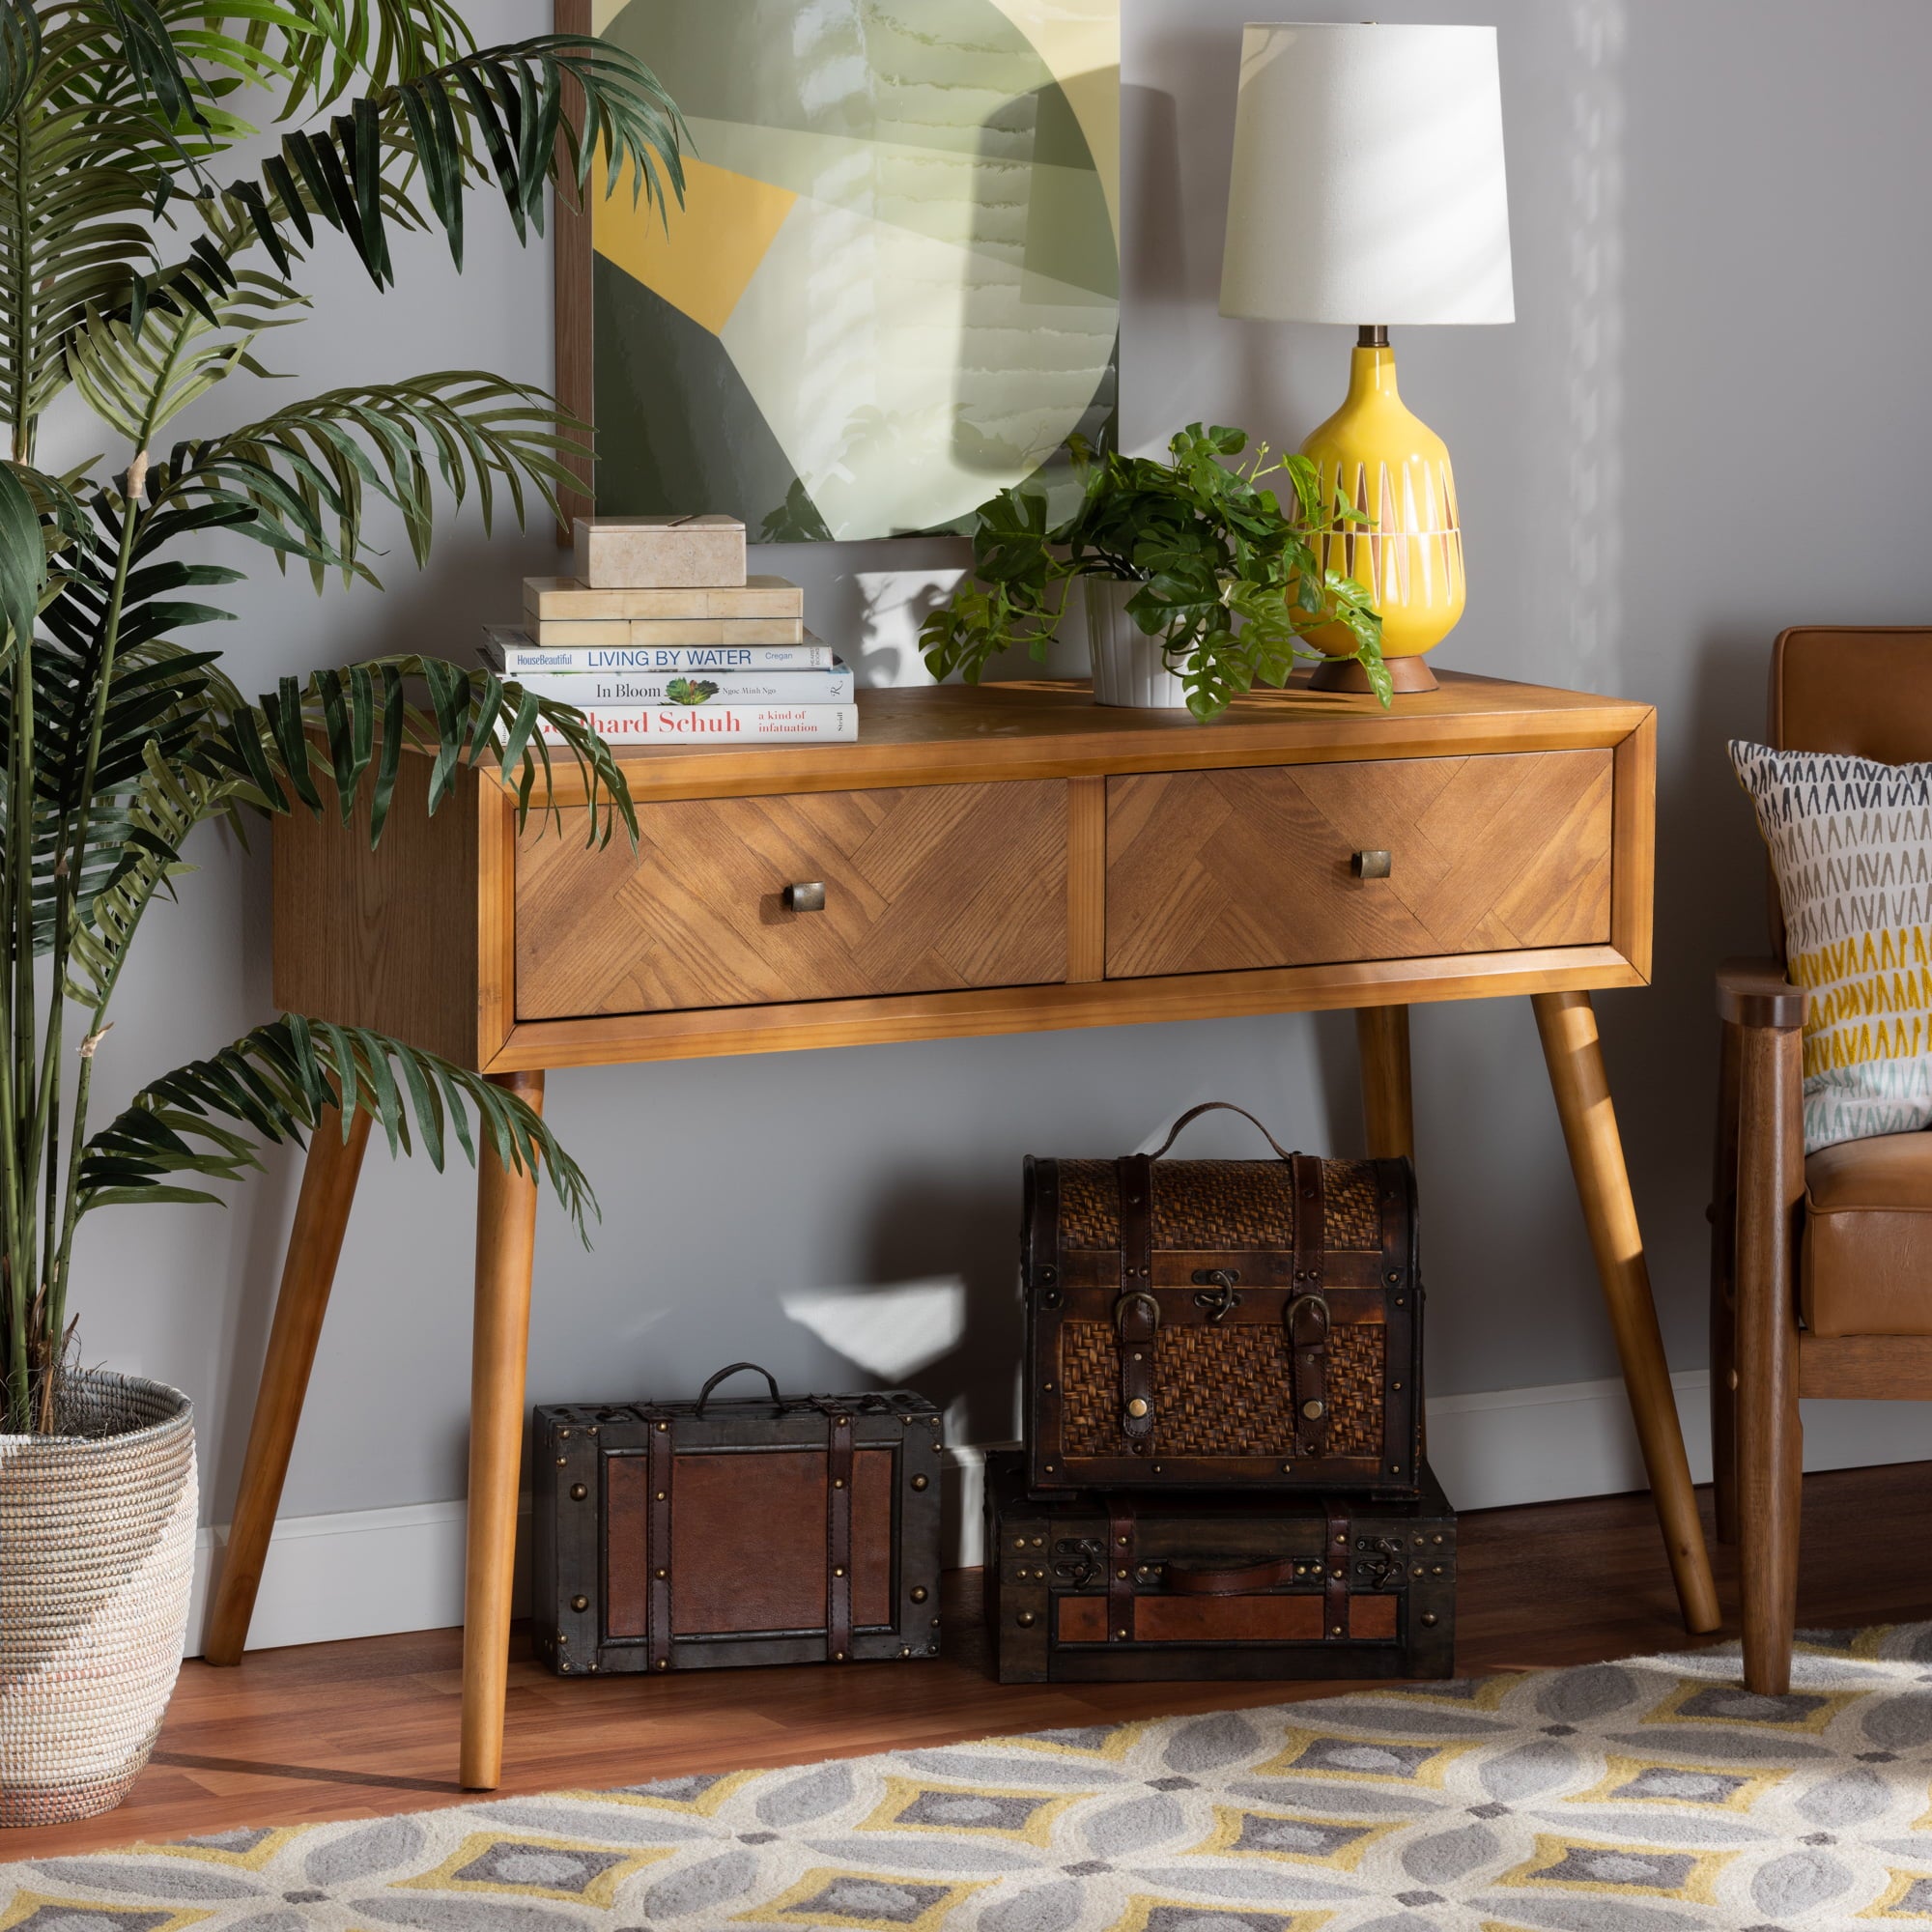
1821, 1268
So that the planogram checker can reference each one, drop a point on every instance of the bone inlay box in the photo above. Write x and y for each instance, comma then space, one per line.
551, 599
660, 552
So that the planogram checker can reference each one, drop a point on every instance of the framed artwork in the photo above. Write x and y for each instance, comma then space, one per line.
895, 285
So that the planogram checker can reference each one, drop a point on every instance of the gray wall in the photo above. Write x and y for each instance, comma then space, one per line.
1700, 429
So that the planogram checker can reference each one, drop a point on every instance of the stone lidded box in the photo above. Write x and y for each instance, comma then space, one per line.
660, 552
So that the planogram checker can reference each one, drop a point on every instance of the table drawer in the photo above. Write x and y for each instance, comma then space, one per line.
1211, 871
926, 888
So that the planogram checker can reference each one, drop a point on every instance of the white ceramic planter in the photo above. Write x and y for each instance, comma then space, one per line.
1129, 665
96, 1557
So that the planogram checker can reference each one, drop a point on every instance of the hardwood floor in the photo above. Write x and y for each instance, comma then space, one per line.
350, 1730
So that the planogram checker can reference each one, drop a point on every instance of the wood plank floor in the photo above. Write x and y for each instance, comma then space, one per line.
350, 1731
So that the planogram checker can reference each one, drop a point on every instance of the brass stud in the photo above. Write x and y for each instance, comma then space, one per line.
1429, 1619
1343, 1539
563, 1436
1019, 1543
1039, 1543
562, 1461
661, 1574
1047, 1388
1157, 1468
1436, 1569
591, 1431
580, 1602
1417, 1570
1396, 1386
1392, 1279
661, 1427
935, 1623
905, 1649
1314, 1410
1402, 1301
664, 1664
563, 1666
1025, 1620
662, 1495
1048, 1467
1122, 1540
563, 1636
1394, 1468
1334, 1630
1121, 1574
839, 1481
1138, 1406
919, 1594
578, 1493
1120, 1632
1287, 1468
838, 1570
1338, 1573
840, 1420
932, 1649
921, 1482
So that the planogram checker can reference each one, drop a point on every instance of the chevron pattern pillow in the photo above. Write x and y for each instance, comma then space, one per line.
1851, 843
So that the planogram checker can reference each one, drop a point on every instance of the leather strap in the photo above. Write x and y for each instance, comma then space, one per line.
1307, 1318
1208, 1107
1205, 1581
1044, 1229
1307, 1311
1119, 1570
657, 1595
838, 1538
1136, 1314
1335, 1571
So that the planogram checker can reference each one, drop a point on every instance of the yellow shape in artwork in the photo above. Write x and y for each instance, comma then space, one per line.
702, 259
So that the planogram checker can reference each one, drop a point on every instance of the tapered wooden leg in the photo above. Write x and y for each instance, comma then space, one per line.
309, 1273
1382, 1036
1723, 1294
1568, 1024
1771, 1183
506, 1231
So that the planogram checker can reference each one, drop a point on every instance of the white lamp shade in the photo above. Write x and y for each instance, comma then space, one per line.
1368, 183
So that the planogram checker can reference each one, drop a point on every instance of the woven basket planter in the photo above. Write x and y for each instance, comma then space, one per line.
96, 1557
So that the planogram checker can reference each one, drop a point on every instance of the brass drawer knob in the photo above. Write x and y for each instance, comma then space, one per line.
1370, 864
809, 896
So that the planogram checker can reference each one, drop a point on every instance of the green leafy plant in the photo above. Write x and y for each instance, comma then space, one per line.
138, 269
1229, 578
691, 690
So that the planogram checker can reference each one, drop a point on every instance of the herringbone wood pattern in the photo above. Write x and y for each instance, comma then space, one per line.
927, 887
1209, 872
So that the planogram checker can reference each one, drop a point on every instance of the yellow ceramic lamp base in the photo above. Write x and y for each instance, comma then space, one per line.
1406, 550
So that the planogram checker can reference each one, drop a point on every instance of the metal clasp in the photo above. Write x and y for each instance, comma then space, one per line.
1221, 1304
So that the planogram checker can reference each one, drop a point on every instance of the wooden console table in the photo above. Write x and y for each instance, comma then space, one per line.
999, 860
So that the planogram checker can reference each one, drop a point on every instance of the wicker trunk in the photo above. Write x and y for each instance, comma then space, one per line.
1223, 1323
96, 1557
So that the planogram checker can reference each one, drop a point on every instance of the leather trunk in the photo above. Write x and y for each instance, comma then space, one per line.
693, 1535
1147, 1585
1222, 1324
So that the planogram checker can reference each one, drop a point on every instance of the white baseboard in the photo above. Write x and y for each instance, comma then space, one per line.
368, 1573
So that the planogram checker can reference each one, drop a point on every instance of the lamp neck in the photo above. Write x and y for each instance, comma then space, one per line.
1372, 365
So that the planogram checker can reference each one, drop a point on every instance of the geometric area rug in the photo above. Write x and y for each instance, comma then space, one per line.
1653, 1795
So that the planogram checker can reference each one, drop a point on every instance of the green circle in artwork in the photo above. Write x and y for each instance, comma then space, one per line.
927, 303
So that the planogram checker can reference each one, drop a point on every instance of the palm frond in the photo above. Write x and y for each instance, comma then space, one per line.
205, 1121
343, 728
500, 115
139, 368
306, 471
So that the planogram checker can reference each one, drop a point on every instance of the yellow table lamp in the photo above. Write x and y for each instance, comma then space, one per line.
1368, 188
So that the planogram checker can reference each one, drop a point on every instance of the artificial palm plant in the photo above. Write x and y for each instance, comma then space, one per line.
141, 261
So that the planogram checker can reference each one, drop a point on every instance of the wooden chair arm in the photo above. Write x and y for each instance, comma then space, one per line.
1756, 994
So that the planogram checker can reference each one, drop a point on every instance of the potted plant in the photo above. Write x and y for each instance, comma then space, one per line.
1199, 583
137, 281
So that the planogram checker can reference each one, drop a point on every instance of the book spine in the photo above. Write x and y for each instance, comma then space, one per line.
735, 724
510, 652
715, 688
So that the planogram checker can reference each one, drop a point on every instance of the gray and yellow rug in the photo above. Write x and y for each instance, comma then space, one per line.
1648, 1795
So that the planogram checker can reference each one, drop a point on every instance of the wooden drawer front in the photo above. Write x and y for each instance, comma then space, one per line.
1211, 871
926, 888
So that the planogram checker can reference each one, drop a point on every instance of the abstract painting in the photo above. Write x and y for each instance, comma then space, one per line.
895, 285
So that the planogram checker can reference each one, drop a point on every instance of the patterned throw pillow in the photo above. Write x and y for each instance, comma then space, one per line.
1851, 843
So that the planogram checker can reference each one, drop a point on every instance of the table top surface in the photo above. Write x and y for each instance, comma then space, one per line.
1026, 727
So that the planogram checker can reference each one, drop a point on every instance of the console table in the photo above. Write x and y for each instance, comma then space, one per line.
1002, 859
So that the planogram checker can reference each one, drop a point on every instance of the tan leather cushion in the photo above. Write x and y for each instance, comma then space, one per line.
1867, 1262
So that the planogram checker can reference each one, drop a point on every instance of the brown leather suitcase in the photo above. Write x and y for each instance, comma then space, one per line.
689, 1535
1145, 1586
1222, 1324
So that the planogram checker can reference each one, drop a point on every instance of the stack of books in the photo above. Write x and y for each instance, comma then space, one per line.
662, 636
